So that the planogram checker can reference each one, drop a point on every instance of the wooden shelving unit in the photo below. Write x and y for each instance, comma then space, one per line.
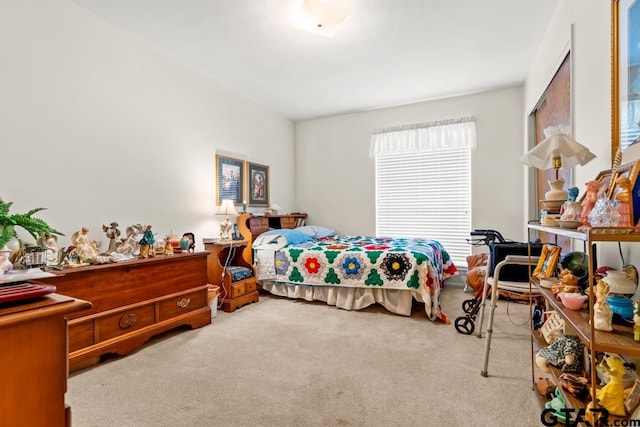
620, 340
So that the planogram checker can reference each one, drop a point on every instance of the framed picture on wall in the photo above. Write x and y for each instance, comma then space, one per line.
258, 184
625, 74
229, 179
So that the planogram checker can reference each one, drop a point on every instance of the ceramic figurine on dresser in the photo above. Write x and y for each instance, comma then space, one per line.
113, 234
84, 250
147, 243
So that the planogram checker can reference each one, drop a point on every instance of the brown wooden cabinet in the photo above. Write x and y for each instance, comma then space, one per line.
259, 224
132, 301
33, 339
231, 253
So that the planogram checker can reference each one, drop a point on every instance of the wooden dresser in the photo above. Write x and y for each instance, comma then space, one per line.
33, 339
132, 301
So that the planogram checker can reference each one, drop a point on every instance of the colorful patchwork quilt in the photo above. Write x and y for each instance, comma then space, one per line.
418, 265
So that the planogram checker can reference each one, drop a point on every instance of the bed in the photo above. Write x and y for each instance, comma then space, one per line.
353, 272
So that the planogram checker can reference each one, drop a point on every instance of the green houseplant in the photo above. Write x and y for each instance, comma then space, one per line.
34, 226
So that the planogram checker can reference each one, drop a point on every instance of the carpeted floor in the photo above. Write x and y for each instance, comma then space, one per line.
293, 363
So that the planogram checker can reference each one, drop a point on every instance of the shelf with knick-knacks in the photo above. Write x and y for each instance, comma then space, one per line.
607, 342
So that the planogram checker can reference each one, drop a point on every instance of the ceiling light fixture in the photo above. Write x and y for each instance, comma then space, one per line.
318, 16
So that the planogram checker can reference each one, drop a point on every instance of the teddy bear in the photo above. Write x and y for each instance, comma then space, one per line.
565, 353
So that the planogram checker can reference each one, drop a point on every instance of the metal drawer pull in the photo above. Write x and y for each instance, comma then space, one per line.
128, 320
183, 302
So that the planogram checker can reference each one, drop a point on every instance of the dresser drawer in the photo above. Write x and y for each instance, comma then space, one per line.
288, 222
242, 287
125, 321
80, 335
177, 305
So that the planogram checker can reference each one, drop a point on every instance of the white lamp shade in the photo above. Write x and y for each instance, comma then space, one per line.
227, 208
571, 153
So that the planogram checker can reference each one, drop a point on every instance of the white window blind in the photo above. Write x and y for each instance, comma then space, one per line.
423, 183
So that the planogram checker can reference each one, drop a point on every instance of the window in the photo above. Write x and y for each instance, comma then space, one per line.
423, 183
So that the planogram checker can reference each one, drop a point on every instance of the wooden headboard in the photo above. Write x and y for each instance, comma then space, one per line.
251, 226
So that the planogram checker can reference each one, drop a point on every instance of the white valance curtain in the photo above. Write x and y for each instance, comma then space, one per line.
421, 137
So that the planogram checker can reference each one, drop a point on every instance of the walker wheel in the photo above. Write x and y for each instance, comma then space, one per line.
464, 325
467, 305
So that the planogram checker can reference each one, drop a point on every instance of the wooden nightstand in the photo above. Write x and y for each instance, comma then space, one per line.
230, 253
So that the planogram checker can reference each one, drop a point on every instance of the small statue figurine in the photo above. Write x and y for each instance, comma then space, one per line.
50, 243
84, 249
5, 264
146, 243
113, 234
134, 234
611, 396
623, 197
602, 313
590, 198
168, 247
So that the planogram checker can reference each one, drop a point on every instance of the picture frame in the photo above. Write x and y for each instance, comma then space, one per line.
229, 179
625, 74
548, 261
258, 184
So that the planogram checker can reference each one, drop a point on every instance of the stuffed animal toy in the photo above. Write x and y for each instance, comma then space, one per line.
565, 353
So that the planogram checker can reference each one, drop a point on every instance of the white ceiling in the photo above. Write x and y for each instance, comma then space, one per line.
386, 52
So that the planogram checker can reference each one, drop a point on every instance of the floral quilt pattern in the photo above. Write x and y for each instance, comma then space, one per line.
414, 264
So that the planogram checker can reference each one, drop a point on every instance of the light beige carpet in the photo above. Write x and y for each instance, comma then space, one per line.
284, 362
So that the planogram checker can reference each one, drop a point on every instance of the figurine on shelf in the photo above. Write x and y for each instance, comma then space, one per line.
590, 198
146, 243
602, 313
611, 396
5, 264
623, 197
565, 353
113, 234
50, 243
567, 282
168, 247
85, 249
134, 234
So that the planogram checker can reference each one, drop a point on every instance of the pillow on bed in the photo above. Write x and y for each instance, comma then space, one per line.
292, 236
316, 231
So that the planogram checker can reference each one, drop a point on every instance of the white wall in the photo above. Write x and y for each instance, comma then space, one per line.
586, 26
336, 177
97, 126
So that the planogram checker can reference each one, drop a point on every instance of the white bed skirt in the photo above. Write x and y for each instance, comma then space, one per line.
395, 300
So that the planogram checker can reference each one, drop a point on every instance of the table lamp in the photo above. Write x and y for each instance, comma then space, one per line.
557, 151
226, 208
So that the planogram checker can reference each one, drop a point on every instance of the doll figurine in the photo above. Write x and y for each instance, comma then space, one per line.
146, 243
